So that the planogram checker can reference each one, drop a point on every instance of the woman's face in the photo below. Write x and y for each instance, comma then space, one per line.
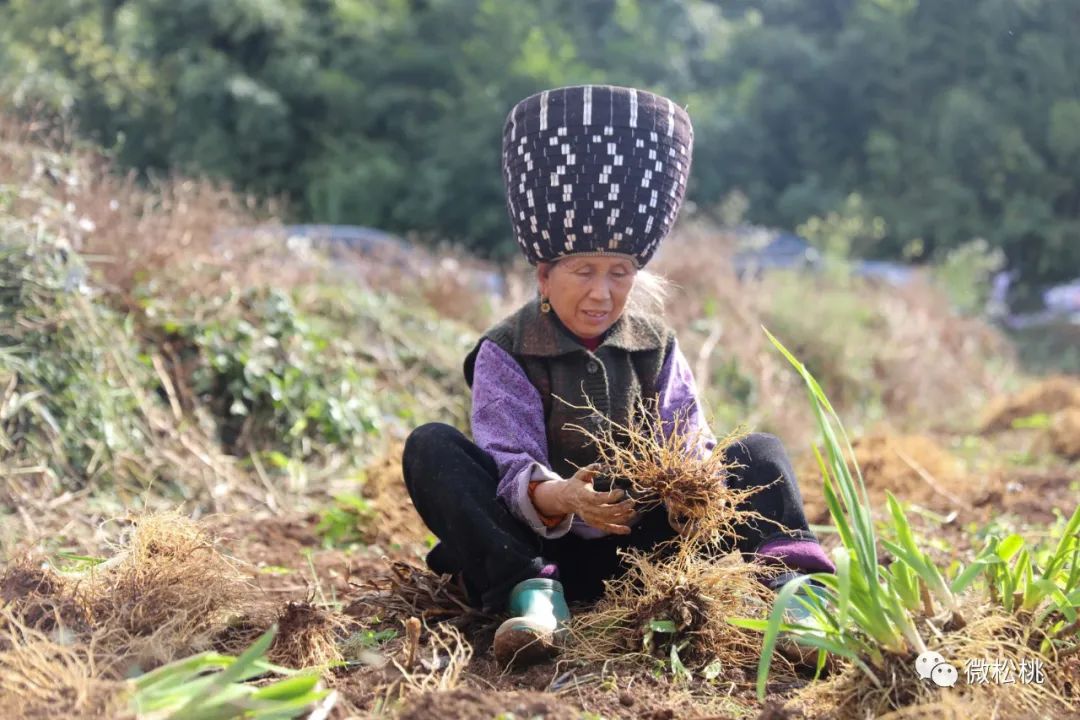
588, 293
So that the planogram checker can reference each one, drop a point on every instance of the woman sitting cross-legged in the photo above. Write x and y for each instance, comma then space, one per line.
595, 177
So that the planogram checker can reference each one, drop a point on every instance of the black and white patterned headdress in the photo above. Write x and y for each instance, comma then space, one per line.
595, 169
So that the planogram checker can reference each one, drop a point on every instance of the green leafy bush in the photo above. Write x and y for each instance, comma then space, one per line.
273, 379
328, 367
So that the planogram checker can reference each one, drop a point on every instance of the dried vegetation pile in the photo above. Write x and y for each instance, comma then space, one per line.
1051, 404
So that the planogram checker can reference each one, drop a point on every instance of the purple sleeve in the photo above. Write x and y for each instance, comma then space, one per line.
679, 399
508, 424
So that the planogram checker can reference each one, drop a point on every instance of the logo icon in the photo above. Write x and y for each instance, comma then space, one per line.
932, 666
944, 675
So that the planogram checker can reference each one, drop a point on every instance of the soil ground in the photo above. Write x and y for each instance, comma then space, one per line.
291, 564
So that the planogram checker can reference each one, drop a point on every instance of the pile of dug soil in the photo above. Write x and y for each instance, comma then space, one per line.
913, 467
1050, 396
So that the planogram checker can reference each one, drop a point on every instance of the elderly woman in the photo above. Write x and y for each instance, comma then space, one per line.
595, 177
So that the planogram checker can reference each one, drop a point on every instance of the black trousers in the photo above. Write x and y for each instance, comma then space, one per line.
453, 483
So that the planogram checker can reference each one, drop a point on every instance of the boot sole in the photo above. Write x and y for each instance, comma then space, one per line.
517, 645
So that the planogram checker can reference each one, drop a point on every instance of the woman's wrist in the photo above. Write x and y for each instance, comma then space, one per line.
549, 498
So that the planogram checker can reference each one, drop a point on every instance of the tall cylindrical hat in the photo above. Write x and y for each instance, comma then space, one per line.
595, 169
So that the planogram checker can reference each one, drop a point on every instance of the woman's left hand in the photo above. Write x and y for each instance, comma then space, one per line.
610, 511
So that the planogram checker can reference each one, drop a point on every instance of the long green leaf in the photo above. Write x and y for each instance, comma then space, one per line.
288, 688
772, 630
236, 671
1009, 546
967, 576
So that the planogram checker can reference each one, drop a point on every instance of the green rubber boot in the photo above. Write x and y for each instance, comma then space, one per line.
537, 624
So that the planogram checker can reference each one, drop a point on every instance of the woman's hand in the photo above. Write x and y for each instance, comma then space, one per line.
609, 511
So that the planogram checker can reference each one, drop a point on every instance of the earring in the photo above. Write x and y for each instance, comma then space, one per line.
545, 306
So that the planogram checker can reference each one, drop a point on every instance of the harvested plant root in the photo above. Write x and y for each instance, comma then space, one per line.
675, 470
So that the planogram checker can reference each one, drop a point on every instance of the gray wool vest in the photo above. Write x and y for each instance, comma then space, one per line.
622, 372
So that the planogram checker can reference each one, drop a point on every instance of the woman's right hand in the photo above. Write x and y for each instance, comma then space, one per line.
609, 511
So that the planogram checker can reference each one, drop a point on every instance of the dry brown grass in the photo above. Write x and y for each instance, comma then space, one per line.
131, 229
934, 367
905, 346
718, 319
166, 594
903, 694
42, 678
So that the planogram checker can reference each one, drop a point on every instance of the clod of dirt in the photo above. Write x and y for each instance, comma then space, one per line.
307, 637
471, 703
776, 711
1048, 396
914, 467
40, 599
1065, 433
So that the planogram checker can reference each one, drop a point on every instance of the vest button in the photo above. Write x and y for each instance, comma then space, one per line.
592, 367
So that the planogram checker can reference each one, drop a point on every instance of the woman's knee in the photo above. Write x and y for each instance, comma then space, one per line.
426, 447
437, 451
756, 449
429, 438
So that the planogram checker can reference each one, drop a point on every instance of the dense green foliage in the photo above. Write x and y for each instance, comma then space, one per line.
953, 119
289, 375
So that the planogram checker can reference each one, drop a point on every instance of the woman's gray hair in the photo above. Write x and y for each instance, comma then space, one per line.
649, 293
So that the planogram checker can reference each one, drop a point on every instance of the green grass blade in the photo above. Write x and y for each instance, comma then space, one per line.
180, 671
842, 560
967, 576
1070, 537
235, 672
288, 688
772, 630
1008, 547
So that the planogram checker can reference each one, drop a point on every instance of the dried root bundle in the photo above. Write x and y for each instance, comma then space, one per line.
42, 678
681, 600
307, 637
406, 591
671, 466
169, 592
672, 602
165, 594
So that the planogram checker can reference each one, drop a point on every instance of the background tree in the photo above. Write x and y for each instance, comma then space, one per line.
951, 119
